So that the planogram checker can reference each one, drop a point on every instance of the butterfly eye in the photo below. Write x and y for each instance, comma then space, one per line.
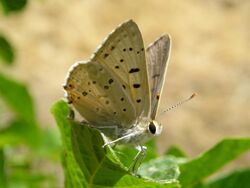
152, 128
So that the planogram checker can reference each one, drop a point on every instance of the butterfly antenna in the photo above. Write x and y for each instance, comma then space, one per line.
180, 103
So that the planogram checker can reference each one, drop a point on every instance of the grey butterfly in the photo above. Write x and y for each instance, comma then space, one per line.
118, 89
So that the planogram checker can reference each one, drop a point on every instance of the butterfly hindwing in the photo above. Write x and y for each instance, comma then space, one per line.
98, 96
157, 59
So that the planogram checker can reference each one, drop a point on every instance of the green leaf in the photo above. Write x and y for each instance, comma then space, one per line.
127, 153
18, 98
27, 178
175, 151
86, 162
24, 127
7, 55
18, 132
50, 145
163, 169
151, 150
2, 169
72, 172
196, 170
13, 5
239, 179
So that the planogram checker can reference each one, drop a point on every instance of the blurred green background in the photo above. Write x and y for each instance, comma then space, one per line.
40, 40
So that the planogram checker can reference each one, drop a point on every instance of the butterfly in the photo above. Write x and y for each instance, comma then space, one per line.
118, 89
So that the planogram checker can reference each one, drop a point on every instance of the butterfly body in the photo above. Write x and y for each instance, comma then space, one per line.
118, 89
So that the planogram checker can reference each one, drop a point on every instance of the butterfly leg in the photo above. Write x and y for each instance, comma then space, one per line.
137, 161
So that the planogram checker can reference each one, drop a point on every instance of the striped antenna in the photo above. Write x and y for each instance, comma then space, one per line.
180, 103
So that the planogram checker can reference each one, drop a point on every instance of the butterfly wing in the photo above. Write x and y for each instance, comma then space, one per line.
124, 56
111, 89
157, 59
98, 96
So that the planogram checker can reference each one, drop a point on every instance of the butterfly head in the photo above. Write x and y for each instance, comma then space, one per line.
154, 128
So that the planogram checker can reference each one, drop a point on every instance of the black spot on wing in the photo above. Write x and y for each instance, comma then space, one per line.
111, 81
157, 97
138, 100
136, 85
106, 55
84, 93
133, 70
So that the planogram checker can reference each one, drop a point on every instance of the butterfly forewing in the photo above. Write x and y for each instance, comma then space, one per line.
123, 55
157, 58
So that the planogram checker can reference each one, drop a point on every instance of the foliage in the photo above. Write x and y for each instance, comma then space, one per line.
238, 178
175, 151
88, 164
6, 51
22, 133
209, 162
10, 6
24, 146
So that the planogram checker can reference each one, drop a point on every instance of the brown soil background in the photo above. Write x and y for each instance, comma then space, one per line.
210, 56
